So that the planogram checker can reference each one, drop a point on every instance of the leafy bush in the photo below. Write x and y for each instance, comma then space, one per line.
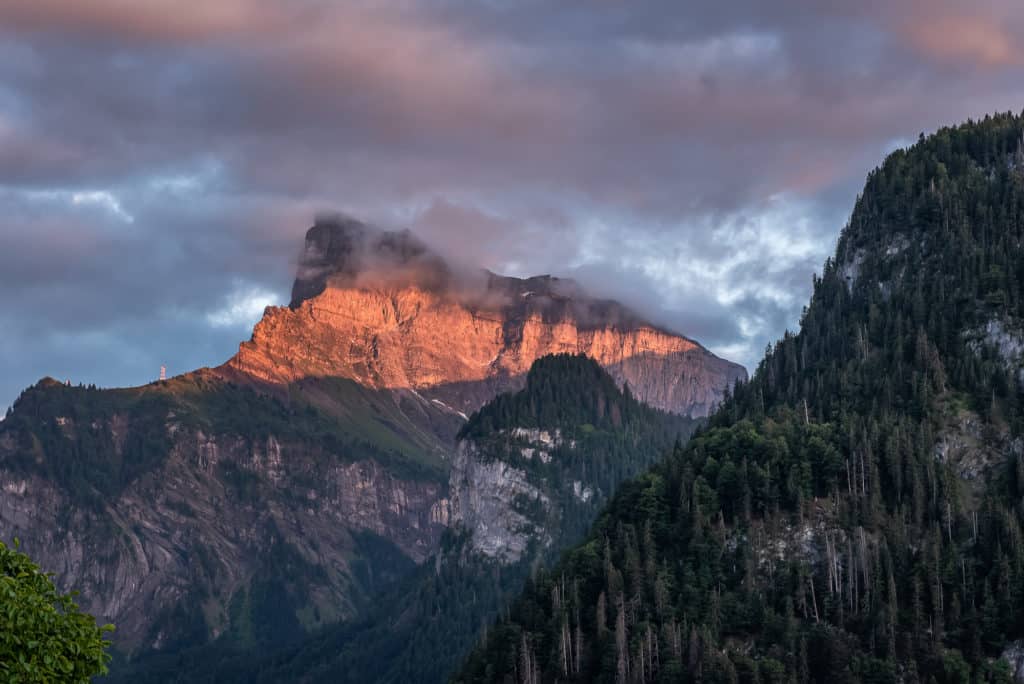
44, 637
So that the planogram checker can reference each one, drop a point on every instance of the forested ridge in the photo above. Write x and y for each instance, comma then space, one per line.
57, 431
855, 511
606, 436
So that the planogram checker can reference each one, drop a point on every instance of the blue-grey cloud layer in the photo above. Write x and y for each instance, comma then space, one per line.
697, 160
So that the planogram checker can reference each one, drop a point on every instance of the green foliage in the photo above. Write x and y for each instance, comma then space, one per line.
44, 637
811, 533
90, 442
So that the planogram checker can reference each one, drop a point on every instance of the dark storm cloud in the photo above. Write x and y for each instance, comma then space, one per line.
158, 166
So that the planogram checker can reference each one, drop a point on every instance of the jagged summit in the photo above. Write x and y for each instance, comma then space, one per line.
342, 250
381, 308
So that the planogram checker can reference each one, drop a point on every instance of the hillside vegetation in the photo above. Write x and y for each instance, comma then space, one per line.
854, 512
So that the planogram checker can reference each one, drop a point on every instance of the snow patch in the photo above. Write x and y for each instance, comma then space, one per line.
448, 408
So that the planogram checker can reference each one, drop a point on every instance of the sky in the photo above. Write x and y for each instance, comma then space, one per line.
160, 165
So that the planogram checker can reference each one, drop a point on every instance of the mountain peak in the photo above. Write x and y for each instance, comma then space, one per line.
341, 249
383, 309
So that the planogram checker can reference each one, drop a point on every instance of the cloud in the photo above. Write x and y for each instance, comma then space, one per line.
147, 21
158, 167
103, 199
243, 308
974, 39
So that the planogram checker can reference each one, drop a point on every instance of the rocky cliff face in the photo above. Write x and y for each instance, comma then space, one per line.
279, 518
502, 497
379, 308
178, 539
499, 504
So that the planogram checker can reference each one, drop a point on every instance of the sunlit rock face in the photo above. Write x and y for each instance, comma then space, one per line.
381, 309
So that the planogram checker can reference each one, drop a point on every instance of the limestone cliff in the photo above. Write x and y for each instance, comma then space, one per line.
532, 468
174, 541
490, 496
186, 509
381, 309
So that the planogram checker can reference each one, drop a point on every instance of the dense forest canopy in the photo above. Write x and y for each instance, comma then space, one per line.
855, 511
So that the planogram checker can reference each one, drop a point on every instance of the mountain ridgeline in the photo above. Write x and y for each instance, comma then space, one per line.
855, 512
382, 309
295, 485
531, 470
195, 507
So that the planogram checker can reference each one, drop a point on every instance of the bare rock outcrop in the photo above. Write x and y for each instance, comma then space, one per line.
381, 309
